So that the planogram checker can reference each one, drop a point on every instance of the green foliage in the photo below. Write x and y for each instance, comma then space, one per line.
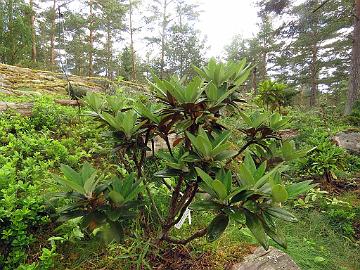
326, 160
15, 37
22, 213
198, 162
342, 217
99, 204
30, 147
275, 95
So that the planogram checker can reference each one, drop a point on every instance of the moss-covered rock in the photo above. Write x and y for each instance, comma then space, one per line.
16, 80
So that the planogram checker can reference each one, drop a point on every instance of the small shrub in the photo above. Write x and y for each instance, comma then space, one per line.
274, 95
22, 211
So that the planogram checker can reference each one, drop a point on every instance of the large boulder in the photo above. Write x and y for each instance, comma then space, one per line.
350, 141
272, 259
18, 81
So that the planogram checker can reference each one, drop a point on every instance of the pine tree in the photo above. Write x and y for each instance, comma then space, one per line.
185, 46
354, 82
15, 42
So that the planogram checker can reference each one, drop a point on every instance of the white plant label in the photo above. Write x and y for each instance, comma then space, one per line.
183, 218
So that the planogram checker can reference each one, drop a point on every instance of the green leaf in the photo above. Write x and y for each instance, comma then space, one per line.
260, 171
264, 179
204, 176
226, 178
111, 120
217, 227
295, 189
205, 205
249, 163
212, 92
70, 184
279, 193
219, 148
276, 235
242, 195
135, 190
86, 171
281, 213
219, 188
146, 112
71, 174
245, 175
256, 227
91, 183
116, 197
225, 155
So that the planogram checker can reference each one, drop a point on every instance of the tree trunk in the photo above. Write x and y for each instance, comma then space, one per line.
354, 82
33, 34
254, 81
91, 39
10, 59
313, 75
133, 65
52, 36
163, 34
109, 71
263, 68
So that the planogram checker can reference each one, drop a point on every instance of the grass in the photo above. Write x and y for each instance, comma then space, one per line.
314, 245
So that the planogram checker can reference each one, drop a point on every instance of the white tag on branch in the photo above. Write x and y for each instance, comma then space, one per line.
183, 218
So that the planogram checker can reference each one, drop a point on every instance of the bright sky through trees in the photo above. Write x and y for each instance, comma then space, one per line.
221, 20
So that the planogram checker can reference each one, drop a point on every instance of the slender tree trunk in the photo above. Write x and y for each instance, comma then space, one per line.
109, 72
33, 34
163, 35
254, 81
133, 65
354, 82
91, 39
52, 36
182, 50
263, 69
313, 75
11, 55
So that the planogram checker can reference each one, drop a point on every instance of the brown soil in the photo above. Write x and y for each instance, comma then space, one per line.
181, 258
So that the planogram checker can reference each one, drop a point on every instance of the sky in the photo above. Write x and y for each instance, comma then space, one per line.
222, 20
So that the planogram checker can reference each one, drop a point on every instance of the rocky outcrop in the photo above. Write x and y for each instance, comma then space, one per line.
22, 81
272, 259
24, 108
350, 141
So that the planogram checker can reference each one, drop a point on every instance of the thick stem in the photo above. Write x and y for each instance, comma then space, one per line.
183, 205
175, 196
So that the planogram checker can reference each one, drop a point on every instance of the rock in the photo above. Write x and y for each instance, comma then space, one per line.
68, 102
272, 259
13, 78
288, 134
22, 108
350, 141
